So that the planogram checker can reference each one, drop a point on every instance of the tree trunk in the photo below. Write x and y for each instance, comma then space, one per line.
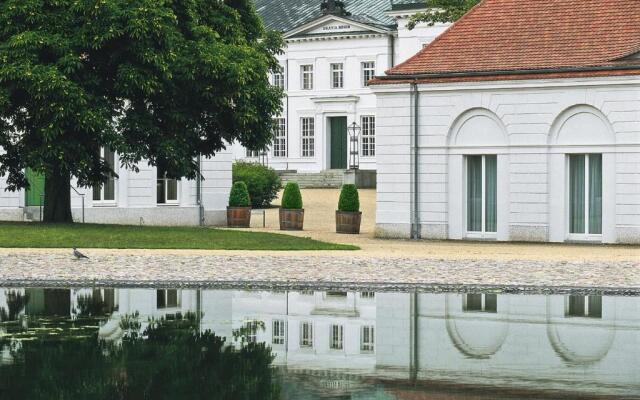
57, 196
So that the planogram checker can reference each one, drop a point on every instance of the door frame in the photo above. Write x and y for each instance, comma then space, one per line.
328, 141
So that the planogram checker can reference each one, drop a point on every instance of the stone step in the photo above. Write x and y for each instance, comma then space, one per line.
323, 179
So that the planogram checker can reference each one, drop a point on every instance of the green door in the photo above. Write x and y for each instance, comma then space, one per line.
36, 189
338, 142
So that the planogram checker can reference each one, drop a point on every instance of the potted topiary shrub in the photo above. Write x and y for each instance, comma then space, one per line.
348, 215
291, 211
239, 209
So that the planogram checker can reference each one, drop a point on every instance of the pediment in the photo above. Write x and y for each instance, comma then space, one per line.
332, 25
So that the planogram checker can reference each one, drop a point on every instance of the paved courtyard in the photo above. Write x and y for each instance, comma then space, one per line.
380, 264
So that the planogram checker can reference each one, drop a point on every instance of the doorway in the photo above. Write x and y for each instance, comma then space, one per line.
338, 127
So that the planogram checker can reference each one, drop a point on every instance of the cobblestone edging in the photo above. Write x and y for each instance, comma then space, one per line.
320, 272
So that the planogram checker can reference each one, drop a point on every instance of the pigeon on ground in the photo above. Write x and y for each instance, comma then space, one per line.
78, 255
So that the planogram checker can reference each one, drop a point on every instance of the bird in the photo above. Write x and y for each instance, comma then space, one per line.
78, 255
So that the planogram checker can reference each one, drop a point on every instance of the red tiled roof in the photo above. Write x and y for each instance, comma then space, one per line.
533, 36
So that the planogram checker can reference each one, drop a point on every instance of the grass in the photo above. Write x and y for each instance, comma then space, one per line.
39, 235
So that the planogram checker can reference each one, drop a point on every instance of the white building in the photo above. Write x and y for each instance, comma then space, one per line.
332, 50
146, 197
496, 131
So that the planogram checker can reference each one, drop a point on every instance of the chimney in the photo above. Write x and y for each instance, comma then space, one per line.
334, 7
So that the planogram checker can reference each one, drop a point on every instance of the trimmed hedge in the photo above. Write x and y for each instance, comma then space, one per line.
239, 196
263, 183
291, 198
349, 199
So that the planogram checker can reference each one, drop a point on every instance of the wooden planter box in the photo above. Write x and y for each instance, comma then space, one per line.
348, 222
238, 217
291, 220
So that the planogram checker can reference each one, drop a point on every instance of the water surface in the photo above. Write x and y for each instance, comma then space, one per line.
228, 344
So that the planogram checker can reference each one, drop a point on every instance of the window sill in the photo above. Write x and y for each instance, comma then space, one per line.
96, 204
167, 204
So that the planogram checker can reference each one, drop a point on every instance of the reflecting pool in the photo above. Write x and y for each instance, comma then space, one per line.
232, 344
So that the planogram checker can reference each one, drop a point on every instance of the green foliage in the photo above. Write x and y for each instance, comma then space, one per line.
349, 199
86, 236
442, 11
239, 196
169, 360
154, 80
291, 198
262, 182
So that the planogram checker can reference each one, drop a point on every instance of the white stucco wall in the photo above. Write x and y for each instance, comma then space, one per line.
136, 198
353, 101
531, 125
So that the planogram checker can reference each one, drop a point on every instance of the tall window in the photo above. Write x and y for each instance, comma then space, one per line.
336, 337
251, 329
368, 136
367, 295
583, 306
367, 340
278, 80
106, 193
252, 153
585, 194
167, 189
368, 72
167, 298
337, 76
306, 334
482, 194
306, 76
280, 138
480, 302
308, 140
278, 331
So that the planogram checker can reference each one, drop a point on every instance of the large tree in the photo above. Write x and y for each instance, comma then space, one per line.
442, 11
156, 80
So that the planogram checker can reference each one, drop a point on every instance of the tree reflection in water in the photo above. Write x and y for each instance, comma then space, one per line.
168, 360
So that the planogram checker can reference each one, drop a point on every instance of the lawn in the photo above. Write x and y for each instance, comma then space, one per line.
151, 237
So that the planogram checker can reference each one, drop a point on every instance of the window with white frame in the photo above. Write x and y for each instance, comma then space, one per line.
106, 193
306, 334
368, 72
367, 295
585, 194
480, 302
167, 189
368, 136
306, 77
308, 137
482, 192
252, 153
280, 138
167, 298
367, 340
251, 331
278, 80
583, 306
277, 331
337, 76
336, 337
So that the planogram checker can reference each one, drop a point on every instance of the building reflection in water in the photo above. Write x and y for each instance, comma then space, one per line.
589, 344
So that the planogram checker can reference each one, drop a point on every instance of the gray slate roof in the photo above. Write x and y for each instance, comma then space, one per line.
284, 15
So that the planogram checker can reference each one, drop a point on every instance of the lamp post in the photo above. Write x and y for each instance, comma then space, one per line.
264, 157
354, 158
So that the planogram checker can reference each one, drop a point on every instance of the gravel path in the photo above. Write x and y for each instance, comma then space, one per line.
282, 272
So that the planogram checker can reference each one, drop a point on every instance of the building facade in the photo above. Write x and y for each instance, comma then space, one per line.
145, 197
538, 142
332, 51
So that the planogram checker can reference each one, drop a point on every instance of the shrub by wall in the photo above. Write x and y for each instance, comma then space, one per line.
291, 198
349, 199
239, 196
263, 183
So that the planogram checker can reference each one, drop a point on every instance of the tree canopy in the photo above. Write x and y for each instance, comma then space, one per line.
161, 81
442, 11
